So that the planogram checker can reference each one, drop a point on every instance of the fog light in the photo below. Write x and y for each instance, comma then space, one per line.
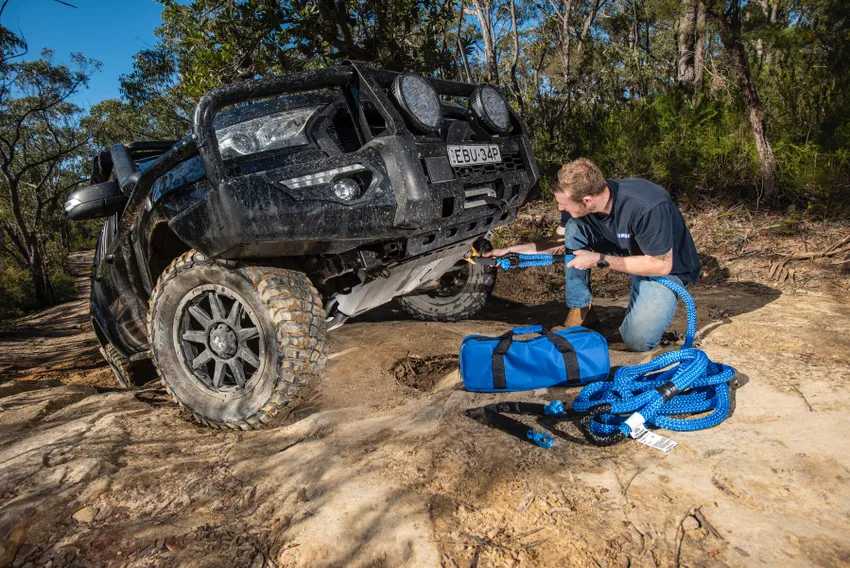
346, 189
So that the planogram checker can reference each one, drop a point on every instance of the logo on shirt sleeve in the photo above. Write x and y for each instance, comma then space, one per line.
624, 235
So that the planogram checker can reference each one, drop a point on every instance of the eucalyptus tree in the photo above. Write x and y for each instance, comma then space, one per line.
42, 149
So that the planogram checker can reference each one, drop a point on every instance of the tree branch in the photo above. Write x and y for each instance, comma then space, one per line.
15, 239
55, 156
19, 122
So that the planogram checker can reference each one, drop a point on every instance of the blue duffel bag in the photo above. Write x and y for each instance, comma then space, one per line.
572, 356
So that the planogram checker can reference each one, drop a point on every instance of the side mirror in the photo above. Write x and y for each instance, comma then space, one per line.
95, 202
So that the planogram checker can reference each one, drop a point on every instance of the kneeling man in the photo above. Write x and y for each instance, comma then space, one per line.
628, 225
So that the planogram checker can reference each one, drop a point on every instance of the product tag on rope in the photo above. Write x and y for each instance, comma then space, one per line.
644, 436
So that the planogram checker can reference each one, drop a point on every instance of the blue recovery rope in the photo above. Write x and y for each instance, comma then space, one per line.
672, 385
531, 260
659, 392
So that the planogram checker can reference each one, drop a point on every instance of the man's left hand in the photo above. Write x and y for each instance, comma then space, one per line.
584, 260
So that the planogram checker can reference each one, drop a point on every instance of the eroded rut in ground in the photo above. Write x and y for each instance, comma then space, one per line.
380, 466
424, 373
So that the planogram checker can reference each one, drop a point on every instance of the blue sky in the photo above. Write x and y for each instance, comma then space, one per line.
111, 31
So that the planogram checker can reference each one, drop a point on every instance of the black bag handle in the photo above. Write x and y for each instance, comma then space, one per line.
569, 355
500, 379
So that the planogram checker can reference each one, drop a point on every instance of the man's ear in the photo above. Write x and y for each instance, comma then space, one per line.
587, 200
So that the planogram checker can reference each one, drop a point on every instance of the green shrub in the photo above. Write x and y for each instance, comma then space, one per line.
85, 234
64, 288
817, 180
16, 292
696, 148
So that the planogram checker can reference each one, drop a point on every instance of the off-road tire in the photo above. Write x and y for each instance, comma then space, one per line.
463, 305
119, 364
286, 306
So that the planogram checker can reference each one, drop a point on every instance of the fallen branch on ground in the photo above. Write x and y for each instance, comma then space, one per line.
839, 244
780, 269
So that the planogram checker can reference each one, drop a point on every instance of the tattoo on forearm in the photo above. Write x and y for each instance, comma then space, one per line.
666, 256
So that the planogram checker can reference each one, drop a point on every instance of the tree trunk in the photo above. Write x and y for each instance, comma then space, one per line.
460, 49
27, 241
632, 29
515, 61
773, 16
482, 12
687, 42
766, 158
566, 42
699, 56
36, 270
634, 41
588, 23
730, 35
536, 75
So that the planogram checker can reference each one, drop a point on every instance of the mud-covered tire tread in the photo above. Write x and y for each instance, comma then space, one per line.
300, 360
462, 308
119, 365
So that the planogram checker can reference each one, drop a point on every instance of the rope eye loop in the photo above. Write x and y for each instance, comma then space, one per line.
586, 422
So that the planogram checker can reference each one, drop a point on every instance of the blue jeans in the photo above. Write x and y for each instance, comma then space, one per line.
651, 305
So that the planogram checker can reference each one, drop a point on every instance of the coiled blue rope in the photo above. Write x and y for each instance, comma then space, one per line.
692, 384
673, 385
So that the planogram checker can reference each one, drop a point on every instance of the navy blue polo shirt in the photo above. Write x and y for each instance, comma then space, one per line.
644, 221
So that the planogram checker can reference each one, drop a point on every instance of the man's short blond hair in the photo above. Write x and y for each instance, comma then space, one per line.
579, 179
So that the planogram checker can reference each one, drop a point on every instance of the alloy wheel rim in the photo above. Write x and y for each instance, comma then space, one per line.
218, 338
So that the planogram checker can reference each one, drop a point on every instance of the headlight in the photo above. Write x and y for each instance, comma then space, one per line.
418, 101
491, 109
278, 130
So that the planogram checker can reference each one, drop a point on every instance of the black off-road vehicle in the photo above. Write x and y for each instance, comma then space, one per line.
227, 256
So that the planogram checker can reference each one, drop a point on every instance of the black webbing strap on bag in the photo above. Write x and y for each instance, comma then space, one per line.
500, 379
569, 355
494, 415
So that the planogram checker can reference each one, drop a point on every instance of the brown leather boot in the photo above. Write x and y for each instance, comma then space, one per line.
581, 316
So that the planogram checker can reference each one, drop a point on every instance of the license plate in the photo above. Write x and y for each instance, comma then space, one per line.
461, 156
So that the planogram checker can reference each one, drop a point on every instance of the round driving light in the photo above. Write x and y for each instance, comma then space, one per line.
418, 101
490, 108
346, 189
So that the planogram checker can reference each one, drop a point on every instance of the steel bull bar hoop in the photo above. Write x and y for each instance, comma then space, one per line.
226, 95
414, 197
341, 76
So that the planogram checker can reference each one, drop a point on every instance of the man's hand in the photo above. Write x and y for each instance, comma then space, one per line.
584, 260
497, 252
553, 244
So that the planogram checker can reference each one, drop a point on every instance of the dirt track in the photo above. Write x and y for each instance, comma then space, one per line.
374, 473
